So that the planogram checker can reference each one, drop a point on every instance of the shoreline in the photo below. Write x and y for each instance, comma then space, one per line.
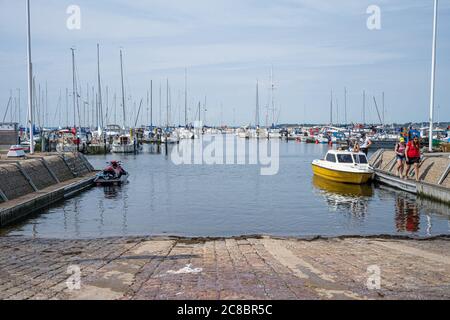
158, 237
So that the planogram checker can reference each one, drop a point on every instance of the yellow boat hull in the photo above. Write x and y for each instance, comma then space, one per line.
344, 189
341, 176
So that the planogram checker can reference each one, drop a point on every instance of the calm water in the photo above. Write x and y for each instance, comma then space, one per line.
225, 200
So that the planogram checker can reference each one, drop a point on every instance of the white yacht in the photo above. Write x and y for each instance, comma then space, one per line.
123, 144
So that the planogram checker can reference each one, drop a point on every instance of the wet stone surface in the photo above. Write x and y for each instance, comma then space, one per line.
229, 268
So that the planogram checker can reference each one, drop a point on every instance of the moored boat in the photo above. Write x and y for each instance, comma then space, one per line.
123, 144
344, 166
16, 151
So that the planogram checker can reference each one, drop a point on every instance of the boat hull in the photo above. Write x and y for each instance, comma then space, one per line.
126, 148
341, 176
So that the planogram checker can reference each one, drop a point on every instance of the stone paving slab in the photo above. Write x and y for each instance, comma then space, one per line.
229, 268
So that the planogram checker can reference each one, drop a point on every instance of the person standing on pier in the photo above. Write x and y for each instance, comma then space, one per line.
400, 149
365, 143
412, 153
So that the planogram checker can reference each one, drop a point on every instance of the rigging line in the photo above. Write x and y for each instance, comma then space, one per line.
7, 107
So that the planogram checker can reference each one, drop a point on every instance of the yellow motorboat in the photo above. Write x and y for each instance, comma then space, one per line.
344, 166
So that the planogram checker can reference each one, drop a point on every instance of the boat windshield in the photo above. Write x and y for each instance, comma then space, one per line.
330, 157
345, 158
360, 158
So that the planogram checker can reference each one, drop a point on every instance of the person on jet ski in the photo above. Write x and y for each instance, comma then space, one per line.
117, 168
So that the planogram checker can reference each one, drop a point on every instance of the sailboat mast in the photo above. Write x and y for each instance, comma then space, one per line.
331, 108
100, 113
272, 88
185, 97
107, 107
345, 105
67, 107
257, 105
115, 108
364, 107
204, 112
151, 103
123, 90
74, 87
147, 121
46, 105
167, 105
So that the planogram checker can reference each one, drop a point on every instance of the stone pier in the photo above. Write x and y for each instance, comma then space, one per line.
30, 184
434, 179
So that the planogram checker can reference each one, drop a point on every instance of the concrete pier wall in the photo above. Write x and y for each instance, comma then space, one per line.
434, 174
431, 168
13, 183
38, 173
31, 184
59, 167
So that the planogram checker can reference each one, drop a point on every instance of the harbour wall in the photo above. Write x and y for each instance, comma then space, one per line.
30, 184
434, 174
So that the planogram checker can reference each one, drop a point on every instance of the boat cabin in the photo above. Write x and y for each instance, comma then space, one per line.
346, 157
124, 140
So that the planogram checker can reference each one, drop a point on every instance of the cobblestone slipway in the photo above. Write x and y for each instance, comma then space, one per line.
231, 268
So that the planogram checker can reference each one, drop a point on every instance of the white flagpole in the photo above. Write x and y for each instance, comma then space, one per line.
30, 79
433, 76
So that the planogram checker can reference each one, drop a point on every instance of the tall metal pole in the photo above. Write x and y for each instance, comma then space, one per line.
73, 87
364, 107
433, 76
67, 107
147, 120
123, 90
345, 105
100, 109
331, 108
30, 79
18, 91
107, 115
151, 103
272, 88
185, 97
160, 105
46, 106
257, 105
167, 105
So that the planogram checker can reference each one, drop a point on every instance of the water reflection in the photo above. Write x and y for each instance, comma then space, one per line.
163, 198
110, 192
346, 197
152, 148
407, 214
409, 209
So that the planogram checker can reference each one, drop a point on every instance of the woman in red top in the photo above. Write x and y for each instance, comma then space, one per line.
412, 153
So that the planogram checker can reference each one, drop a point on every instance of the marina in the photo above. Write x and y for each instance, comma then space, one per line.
224, 151
165, 199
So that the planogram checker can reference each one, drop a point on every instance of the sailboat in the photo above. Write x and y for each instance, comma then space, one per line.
124, 143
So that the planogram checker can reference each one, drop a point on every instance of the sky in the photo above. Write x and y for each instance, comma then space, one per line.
226, 46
